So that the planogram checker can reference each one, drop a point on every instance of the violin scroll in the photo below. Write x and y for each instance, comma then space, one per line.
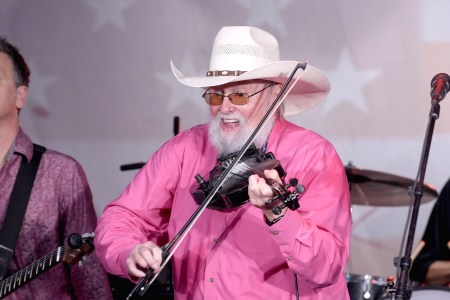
284, 197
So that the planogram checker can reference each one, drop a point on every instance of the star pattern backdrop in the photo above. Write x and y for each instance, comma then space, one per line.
102, 90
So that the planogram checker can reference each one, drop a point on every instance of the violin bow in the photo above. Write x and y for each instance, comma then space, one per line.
169, 249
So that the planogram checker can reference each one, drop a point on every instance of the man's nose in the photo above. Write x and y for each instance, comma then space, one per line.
226, 105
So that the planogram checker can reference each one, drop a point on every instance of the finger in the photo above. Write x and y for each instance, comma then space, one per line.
253, 184
157, 258
133, 270
142, 257
152, 255
264, 189
272, 174
253, 179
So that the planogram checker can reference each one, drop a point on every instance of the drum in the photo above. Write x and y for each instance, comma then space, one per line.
361, 287
430, 293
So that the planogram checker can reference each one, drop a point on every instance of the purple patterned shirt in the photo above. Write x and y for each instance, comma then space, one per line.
60, 204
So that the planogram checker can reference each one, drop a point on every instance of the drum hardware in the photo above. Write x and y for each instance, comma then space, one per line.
368, 287
430, 293
381, 189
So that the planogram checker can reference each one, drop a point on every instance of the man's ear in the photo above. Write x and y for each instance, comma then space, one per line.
21, 98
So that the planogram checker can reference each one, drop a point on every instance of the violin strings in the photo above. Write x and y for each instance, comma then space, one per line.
243, 166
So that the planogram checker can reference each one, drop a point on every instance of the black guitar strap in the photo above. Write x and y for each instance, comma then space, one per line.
17, 206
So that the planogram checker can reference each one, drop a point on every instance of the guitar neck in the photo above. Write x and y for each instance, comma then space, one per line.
30, 272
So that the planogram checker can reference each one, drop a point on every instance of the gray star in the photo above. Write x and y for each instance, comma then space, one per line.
37, 96
347, 84
266, 12
108, 11
180, 93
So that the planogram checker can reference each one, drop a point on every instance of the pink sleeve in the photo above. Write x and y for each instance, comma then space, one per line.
141, 212
318, 233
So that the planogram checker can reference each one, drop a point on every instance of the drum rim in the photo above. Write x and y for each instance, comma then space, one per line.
431, 288
365, 277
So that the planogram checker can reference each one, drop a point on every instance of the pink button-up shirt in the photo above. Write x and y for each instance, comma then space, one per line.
234, 254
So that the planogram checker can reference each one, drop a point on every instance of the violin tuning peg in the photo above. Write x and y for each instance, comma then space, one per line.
200, 181
277, 209
300, 188
293, 181
294, 205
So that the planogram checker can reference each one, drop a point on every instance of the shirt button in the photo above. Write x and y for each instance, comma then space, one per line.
211, 279
215, 240
274, 232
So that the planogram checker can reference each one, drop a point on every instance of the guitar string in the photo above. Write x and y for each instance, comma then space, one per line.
25, 271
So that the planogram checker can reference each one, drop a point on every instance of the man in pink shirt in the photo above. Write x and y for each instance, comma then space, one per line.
249, 250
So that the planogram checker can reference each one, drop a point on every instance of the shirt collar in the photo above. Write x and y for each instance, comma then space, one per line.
22, 146
274, 133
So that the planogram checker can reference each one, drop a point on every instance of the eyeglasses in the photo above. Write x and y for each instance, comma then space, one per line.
235, 98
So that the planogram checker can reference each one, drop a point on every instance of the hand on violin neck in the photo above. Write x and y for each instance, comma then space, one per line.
260, 188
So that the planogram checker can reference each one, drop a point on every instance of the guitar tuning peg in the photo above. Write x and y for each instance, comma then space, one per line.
82, 261
88, 235
75, 241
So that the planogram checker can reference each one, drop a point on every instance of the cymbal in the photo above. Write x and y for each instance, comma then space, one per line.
375, 188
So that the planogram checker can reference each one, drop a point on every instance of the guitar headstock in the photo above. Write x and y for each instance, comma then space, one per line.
79, 247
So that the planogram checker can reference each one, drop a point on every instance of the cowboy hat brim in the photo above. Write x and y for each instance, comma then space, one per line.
311, 88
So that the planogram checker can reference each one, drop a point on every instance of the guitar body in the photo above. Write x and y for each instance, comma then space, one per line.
79, 246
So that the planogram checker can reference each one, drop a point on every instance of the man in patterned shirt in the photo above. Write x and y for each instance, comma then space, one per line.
60, 202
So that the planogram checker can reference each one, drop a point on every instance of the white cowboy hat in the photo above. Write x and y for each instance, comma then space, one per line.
242, 53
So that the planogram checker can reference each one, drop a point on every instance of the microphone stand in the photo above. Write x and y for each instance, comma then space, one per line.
170, 248
403, 286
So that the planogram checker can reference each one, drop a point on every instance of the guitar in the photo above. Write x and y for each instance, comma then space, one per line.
78, 246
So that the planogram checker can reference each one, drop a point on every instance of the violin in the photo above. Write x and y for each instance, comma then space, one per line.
234, 191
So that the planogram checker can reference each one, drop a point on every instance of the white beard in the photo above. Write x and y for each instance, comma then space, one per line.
231, 142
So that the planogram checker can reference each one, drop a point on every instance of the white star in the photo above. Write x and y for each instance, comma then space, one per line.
347, 84
266, 12
36, 92
178, 94
109, 12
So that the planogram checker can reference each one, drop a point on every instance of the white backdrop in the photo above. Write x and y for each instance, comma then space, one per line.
102, 90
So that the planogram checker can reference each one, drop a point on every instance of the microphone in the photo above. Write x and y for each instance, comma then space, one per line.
440, 84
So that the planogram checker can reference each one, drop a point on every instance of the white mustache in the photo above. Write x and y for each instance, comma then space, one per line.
230, 117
